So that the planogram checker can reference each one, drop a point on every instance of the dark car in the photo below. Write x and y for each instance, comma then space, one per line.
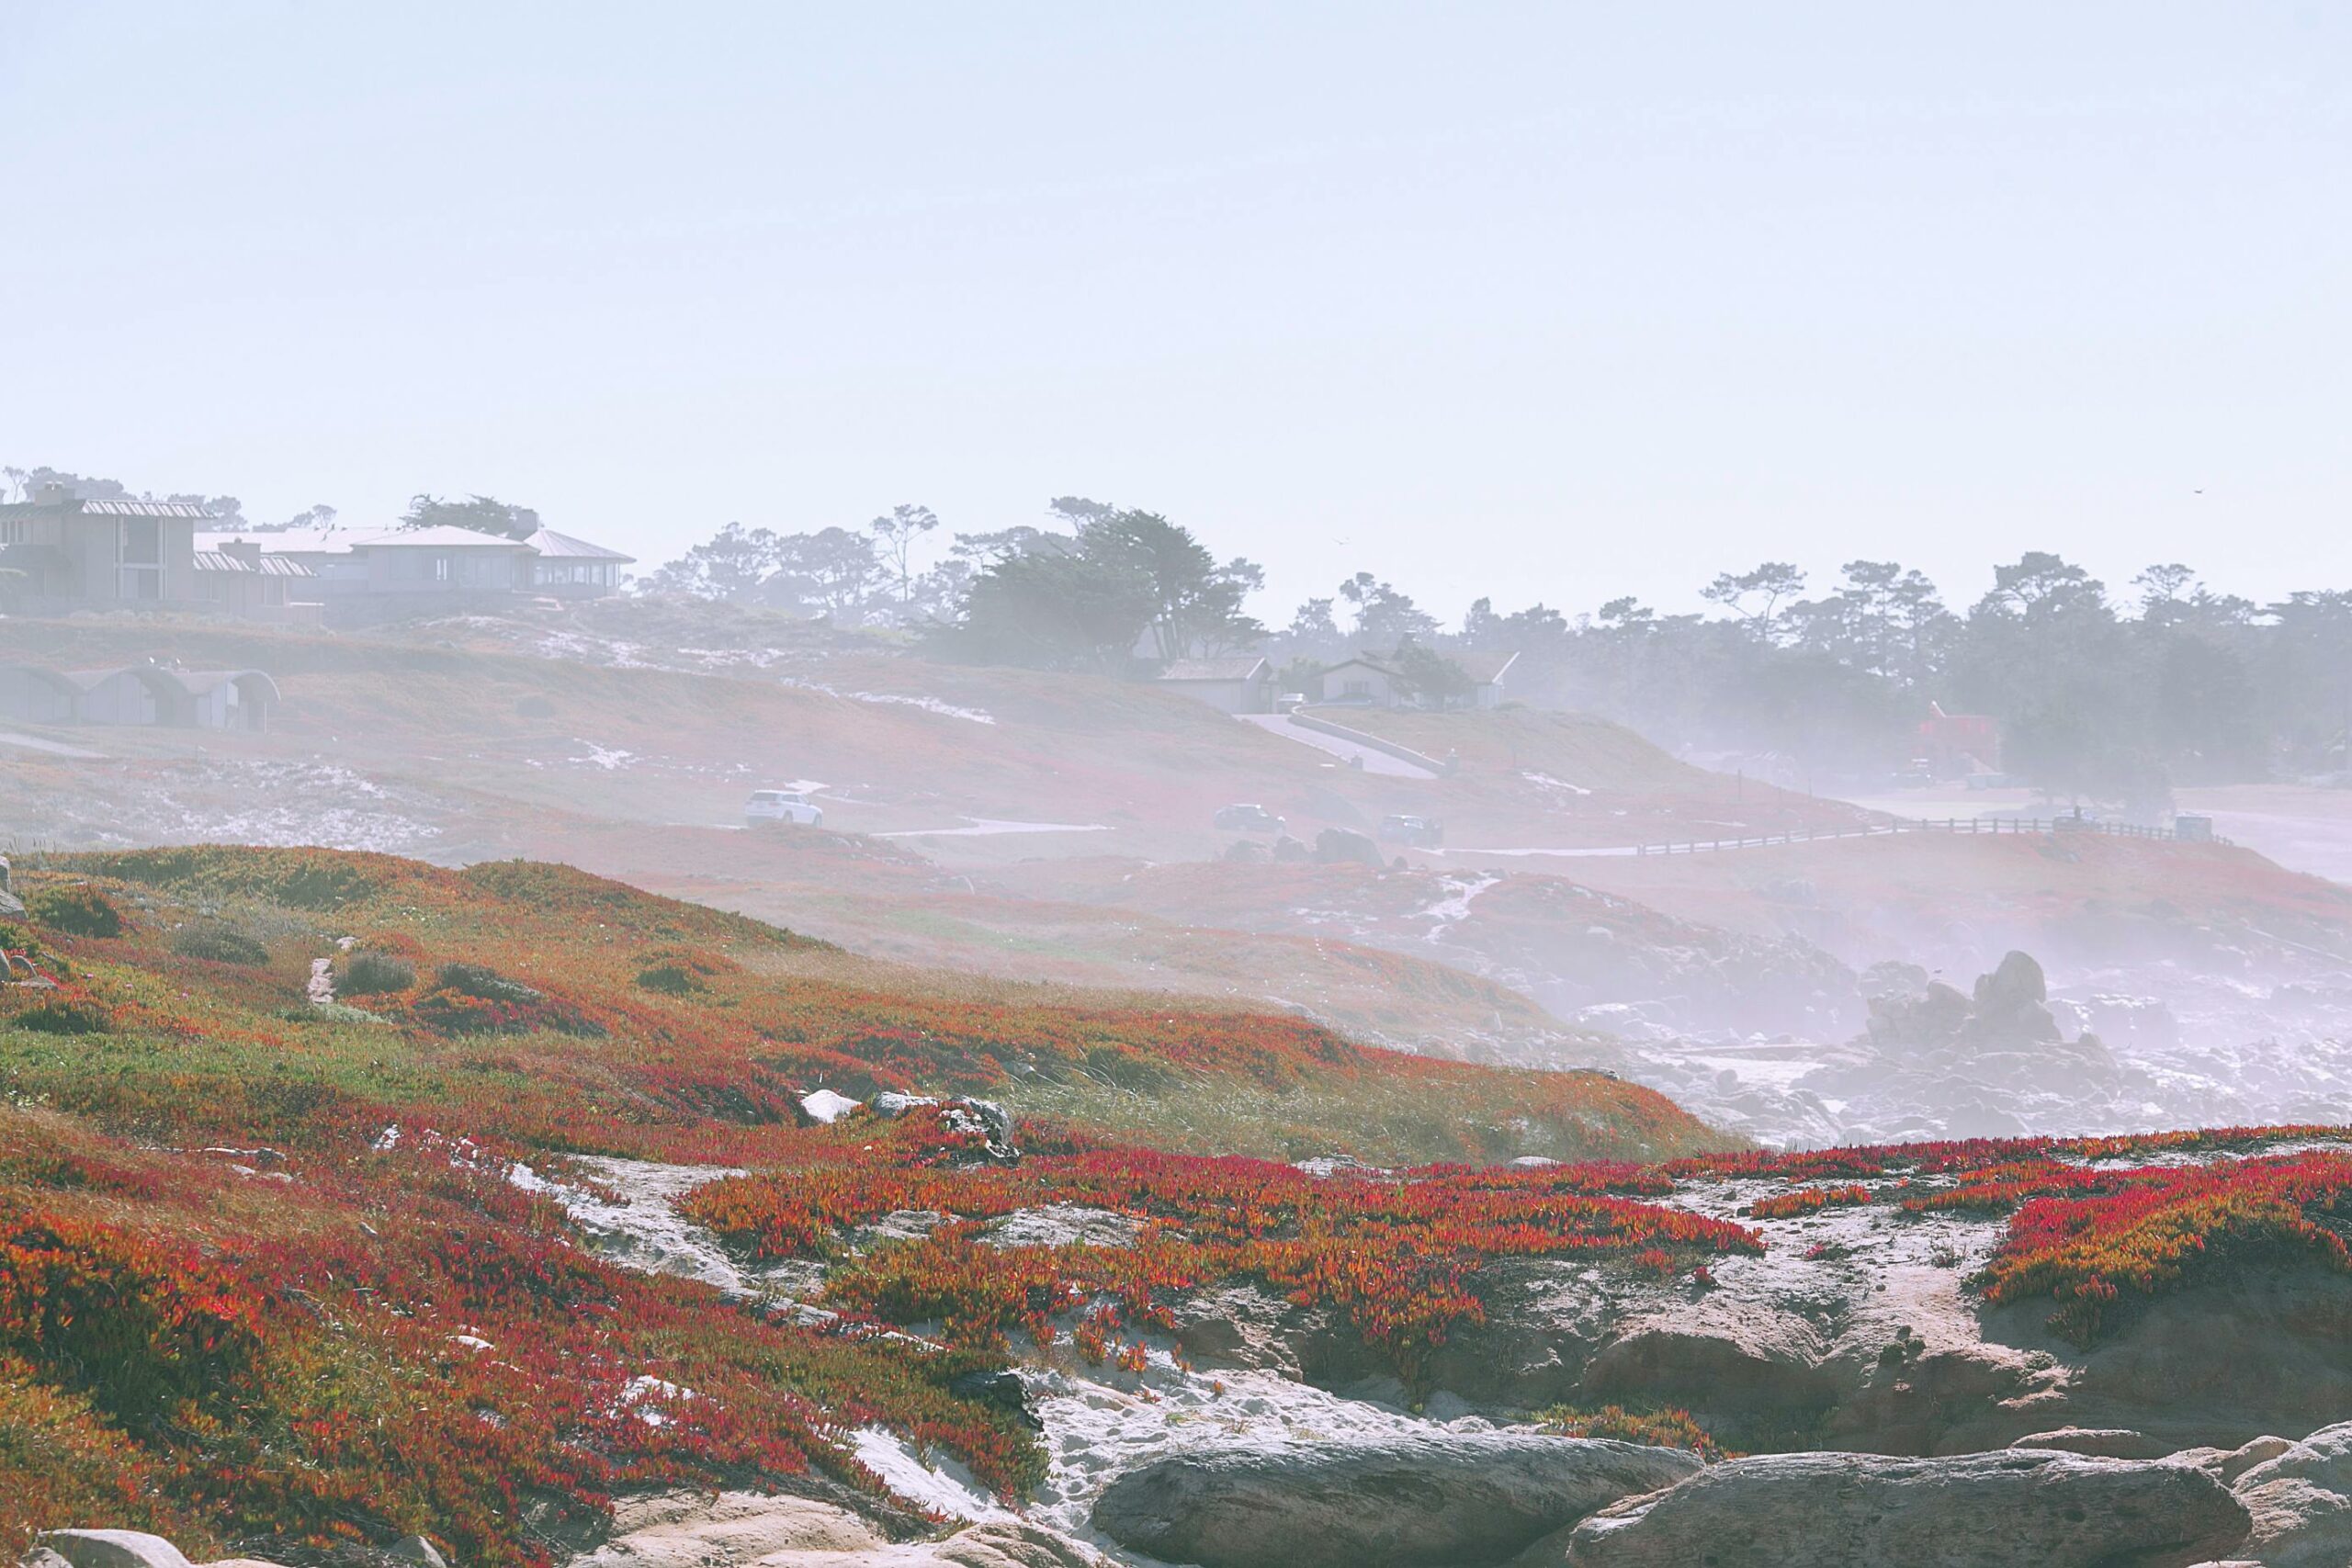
1422, 833
1248, 820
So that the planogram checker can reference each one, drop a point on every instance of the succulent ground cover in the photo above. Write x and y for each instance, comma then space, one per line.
267, 1282
1393, 1250
2089, 1230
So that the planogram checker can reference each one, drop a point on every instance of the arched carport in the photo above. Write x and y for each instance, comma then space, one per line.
229, 699
30, 693
141, 694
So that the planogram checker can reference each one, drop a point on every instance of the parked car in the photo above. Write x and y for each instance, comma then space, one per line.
1248, 820
782, 805
1422, 833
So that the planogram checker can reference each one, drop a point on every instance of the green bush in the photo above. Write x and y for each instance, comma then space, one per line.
373, 973
65, 1017
483, 985
671, 980
76, 911
219, 944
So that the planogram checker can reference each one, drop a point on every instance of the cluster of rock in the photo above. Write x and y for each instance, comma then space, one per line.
1936, 1061
733, 1529
1525, 1500
1534, 1502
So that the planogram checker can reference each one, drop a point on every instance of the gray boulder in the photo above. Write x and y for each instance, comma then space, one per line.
1460, 1500
2100, 1442
113, 1548
2045, 1508
1345, 846
2302, 1503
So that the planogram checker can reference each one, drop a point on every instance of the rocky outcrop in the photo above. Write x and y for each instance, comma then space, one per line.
732, 1529
1745, 1364
1991, 1062
1461, 1500
2098, 1442
2300, 1499
1246, 1328
112, 1549
1998, 1510
693, 1531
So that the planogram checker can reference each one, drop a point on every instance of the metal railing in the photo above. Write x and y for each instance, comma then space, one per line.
1996, 824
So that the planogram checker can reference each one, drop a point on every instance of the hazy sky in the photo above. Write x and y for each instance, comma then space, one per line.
1542, 302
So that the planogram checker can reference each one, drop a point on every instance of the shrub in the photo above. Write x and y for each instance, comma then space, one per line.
66, 1016
1664, 1428
1806, 1200
374, 974
671, 980
219, 944
76, 911
481, 983
64, 1463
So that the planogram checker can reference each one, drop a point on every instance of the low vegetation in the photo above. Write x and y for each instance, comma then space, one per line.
268, 1284
271, 1279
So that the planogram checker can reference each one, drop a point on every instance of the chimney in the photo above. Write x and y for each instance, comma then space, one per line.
245, 550
49, 493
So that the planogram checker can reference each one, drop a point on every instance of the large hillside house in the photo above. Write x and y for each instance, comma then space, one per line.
365, 575
65, 553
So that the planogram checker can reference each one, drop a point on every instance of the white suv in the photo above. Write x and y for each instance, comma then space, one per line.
782, 805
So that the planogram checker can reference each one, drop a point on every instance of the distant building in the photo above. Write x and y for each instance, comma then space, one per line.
1368, 681
240, 580
575, 569
1953, 744
1362, 681
1242, 684
138, 695
365, 575
99, 555
1487, 671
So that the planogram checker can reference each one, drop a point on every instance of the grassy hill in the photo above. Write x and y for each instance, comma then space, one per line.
895, 744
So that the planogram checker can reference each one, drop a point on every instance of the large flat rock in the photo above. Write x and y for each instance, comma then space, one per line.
1461, 1500
2018, 1509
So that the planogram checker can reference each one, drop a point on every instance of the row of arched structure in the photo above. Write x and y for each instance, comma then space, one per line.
137, 693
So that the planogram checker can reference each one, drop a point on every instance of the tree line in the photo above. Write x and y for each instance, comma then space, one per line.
2113, 693
2116, 694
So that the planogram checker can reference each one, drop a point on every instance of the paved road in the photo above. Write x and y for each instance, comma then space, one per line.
1373, 762
54, 748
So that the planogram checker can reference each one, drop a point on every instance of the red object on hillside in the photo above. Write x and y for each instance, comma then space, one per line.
1959, 742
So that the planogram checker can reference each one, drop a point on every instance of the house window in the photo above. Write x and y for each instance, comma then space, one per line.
12, 532
1356, 689
139, 552
440, 569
